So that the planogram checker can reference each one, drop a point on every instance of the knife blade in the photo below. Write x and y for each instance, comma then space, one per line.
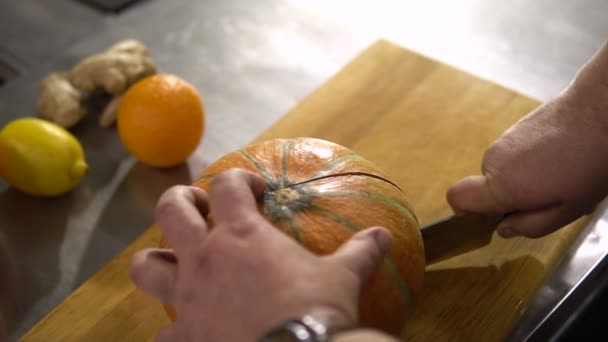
457, 234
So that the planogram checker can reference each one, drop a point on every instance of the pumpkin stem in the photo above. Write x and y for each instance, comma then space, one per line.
286, 195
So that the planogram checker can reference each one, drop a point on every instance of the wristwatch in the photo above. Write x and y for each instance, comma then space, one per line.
308, 328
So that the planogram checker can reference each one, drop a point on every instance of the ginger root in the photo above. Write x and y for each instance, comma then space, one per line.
108, 117
63, 95
113, 70
59, 101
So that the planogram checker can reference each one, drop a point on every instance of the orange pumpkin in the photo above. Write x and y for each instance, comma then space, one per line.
331, 193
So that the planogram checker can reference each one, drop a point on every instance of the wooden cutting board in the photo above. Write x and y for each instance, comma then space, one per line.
427, 125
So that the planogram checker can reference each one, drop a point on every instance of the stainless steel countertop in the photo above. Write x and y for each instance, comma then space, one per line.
252, 61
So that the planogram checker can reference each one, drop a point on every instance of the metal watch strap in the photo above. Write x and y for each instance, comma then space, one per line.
308, 328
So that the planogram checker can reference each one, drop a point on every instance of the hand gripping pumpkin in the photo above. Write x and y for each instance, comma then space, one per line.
320, 193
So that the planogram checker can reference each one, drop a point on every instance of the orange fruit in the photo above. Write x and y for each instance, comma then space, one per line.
161, 120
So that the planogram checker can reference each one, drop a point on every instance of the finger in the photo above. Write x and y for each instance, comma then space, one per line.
154, 271
535, 223
476, 194
180, 212
364, 251
233, 195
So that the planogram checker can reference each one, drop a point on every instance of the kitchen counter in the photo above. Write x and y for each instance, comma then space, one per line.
252, 62
403, 112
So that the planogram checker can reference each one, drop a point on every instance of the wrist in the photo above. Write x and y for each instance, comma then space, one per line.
585, 100
590, 85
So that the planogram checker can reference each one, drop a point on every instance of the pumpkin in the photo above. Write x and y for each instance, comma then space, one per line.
330, 192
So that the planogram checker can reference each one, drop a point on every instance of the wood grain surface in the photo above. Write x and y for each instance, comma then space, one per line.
427, 125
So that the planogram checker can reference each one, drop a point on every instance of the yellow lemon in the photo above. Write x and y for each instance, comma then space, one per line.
40, 158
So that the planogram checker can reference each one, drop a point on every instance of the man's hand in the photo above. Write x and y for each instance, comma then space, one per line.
239, 278
551, 167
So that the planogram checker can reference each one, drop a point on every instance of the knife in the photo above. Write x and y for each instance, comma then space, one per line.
457, 234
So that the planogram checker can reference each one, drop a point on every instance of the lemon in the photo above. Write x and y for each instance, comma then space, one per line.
40, 158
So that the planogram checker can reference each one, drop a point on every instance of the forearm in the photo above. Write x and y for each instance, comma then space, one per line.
363, 335
596, 69
589, 87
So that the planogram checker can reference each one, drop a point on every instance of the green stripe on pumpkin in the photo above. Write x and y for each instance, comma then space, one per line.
284, 154
374, 197
338, 218
401, 284
390, 265
208, 176
337, 162
257, 165
292, 224
295, 229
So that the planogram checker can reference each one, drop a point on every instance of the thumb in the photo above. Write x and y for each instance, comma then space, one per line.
364, 251
477, 194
